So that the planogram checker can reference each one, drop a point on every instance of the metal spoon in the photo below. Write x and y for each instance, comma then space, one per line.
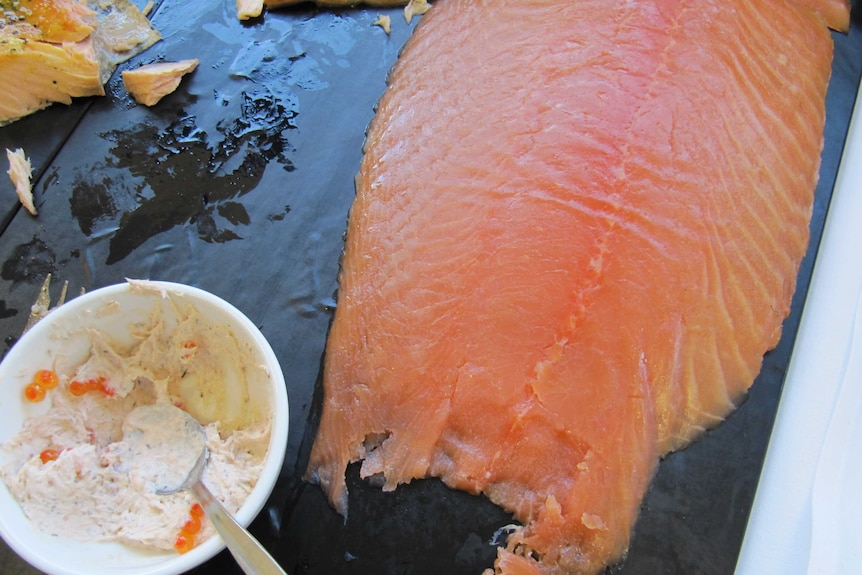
156, 430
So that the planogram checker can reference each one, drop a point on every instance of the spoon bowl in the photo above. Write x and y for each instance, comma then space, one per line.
170, 454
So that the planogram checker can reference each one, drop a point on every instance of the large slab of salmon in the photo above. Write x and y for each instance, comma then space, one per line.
577, 231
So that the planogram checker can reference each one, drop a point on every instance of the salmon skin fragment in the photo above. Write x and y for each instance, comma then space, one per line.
576, 232
152, 82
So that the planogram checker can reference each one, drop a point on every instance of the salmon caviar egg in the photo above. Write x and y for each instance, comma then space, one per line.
197, 511
34, 392
49, 455
46, 378
78, 388
184, 542
193, 525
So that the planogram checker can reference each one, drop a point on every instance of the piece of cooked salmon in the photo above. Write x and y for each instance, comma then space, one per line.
577, 230
55, 21
20, 172
149, 83
61, 49
47, 72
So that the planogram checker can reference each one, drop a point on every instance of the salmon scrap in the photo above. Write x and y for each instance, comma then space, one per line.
64, 49
384, 21
20, 172
576, 232
150, 83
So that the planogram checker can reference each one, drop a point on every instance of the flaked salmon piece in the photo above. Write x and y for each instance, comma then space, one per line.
48, 73
415, 8
247, 9
54, 21
384, 21
576, 232
122, 33
20, 172
150, 83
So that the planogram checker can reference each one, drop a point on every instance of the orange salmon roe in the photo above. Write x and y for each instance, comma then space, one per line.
43, 381
49, 455
47, 378
185, 540
79, 388
193, 525
34, 392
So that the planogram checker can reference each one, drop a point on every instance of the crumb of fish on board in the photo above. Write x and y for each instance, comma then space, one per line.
152, 82
384, 22
19, 172
148, 7
65, 49
415, 8
247, 9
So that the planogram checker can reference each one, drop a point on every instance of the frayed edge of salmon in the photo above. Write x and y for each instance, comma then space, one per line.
19, 172
152, 82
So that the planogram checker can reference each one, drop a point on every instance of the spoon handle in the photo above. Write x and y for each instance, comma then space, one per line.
246, 550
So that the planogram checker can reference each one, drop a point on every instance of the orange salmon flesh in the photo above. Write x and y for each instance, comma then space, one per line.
576, 232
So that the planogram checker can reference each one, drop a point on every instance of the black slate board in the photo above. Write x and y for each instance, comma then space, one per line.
240, 183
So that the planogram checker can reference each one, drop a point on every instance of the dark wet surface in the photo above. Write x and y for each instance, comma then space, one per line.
240, 183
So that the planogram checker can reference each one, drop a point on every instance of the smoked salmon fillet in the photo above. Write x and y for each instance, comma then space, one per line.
577, 230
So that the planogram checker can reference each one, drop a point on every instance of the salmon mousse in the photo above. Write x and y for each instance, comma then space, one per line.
577, 230
78, 469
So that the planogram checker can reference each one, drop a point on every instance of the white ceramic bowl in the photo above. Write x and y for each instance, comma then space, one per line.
113, 310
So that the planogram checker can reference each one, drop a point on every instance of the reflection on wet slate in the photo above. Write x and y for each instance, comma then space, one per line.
184, 175
30, 260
